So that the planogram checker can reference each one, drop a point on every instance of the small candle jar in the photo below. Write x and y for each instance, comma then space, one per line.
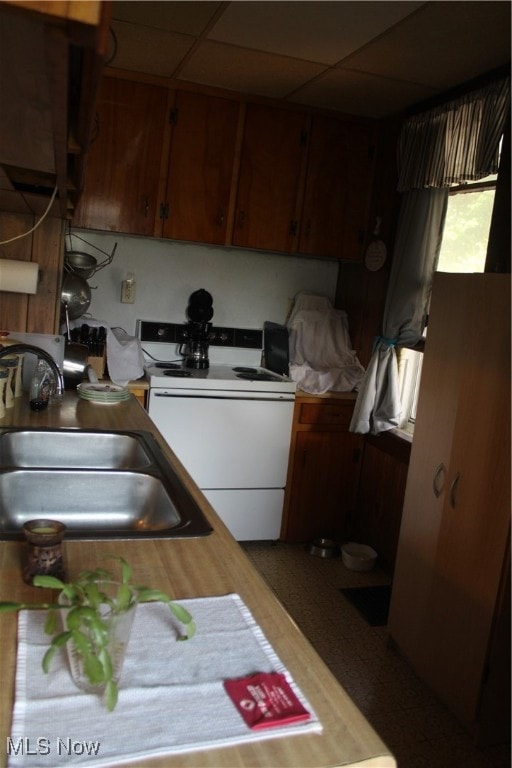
11, 363
44, 555
4, 376
17, 383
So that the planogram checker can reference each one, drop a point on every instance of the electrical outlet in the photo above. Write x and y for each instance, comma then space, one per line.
128, 292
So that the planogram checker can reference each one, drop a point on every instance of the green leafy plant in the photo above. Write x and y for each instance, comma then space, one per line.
86, 603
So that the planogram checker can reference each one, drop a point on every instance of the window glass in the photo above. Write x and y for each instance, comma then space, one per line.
466, 230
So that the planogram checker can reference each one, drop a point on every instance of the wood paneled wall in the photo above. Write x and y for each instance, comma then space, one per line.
38, 313
361, 293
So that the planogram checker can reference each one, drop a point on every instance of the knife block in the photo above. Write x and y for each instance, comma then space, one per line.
98, 364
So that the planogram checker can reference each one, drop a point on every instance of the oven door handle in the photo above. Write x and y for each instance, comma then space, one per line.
270, 397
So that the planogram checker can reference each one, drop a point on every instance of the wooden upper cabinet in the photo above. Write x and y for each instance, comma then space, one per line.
271, 165
334, 221
199, 181
123, 167
202, 167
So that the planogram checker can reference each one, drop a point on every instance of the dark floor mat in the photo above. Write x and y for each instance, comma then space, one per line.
371, 602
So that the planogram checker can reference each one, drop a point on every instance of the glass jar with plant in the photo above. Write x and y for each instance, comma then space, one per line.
97, 610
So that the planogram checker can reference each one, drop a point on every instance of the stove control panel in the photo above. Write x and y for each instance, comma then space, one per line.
176, 333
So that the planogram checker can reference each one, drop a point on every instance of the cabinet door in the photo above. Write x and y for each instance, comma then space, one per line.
200, 168
123, 166
273, 152
323, 485
452, 547
323, 473
334, 220
380, 497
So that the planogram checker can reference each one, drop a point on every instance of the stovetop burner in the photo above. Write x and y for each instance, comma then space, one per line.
219, 377
177, 372
257, 376
243, 369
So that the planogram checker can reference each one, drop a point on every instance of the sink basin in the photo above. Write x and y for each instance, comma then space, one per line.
78, 449
101, 485
98, 504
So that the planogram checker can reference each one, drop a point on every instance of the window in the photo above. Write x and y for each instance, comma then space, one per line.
463, 249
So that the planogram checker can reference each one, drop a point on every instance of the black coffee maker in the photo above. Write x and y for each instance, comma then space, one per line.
199, 313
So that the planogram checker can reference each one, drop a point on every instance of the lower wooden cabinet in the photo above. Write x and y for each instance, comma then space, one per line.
323, 470
380, 497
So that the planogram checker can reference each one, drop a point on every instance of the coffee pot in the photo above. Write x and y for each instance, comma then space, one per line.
199, 312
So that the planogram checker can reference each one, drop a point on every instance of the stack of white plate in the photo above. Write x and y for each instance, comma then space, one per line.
103, 394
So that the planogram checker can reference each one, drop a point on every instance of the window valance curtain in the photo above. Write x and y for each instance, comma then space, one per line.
456, 142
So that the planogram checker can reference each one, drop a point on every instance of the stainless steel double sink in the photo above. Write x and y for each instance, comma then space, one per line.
101, 485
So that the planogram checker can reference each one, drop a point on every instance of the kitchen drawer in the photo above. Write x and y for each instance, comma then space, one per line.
335, 414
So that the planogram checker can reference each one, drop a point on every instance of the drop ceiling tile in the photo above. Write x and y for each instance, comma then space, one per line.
252, 72
323, 32
189, 18
149, 50
445, 44
356, 93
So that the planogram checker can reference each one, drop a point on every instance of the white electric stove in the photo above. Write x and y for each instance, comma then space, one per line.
229, 424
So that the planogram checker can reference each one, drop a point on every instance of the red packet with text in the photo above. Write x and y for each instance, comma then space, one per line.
266, 700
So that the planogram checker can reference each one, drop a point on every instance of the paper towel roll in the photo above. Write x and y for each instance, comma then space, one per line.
18, 276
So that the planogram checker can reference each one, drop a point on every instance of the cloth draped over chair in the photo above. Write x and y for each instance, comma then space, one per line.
450, 144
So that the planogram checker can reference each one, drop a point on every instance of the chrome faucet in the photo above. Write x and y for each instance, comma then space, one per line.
21, 349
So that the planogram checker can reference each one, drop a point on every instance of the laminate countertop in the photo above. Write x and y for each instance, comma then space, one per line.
187, 568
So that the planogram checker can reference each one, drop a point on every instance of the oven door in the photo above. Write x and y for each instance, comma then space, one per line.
226, 440
253, 514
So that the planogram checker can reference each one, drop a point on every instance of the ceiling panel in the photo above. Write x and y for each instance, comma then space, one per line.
150, 50
442, 45
190, 18
359, 93
249, 71
324, 32
369, 58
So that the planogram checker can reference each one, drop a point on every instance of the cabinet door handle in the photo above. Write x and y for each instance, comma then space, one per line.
438, 482
241, 219
453, 490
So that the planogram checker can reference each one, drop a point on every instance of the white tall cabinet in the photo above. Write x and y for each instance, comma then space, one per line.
450, 608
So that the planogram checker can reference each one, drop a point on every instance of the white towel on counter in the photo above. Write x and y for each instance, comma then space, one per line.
125, 358
321, 358
171, 697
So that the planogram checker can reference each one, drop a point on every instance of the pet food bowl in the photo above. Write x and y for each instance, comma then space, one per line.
324, 548
358, 557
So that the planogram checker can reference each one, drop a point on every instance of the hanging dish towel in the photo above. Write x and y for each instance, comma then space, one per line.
321, 357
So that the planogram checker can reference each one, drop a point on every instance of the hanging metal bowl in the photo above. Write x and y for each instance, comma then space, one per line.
75, 295
82, 263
